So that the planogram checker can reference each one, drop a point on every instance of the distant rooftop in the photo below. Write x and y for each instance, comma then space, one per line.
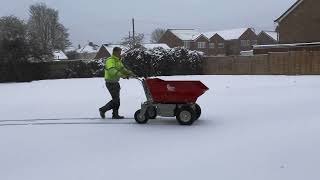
272, 34
227, 34
89, 48
185, 34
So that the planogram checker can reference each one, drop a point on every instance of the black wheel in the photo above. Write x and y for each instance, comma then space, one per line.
141, 118
186, 115
152, 112
198, 111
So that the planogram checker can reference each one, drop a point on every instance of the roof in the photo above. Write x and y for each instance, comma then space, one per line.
201, 35
89, 49
185, 34
271, 34
292, 8
58, 54
227, 34
70, 49
155, 45
286, 45
109, 47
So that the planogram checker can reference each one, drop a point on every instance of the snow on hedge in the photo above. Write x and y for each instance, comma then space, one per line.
160, 61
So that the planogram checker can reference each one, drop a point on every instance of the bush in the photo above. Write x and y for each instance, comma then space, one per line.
85, 69
161, 62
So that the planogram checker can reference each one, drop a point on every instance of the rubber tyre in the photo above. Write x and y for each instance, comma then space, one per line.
186, 115
198, 111
141, 119
152, 112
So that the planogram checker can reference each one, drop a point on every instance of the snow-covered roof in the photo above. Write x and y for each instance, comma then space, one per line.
246, 53
70, 48
227, 34
59, 55
272, 34
109, 47
89, 49
292, 8
287, 45
155, 45
199, 36
185, 34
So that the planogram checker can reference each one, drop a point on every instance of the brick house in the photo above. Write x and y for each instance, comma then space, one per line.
229, 42
201, 43
267, 37
179, 37
236, 40
105, 50
216, 45
300, 23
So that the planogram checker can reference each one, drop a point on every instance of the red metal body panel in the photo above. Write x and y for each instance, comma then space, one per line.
175, 92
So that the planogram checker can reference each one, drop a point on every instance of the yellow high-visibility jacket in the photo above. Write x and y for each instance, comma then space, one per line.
114, 69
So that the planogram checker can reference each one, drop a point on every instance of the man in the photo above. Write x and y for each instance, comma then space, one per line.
114, 70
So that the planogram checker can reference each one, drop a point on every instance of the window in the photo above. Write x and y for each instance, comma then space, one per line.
201, 45
211, 45
186, 44
221, 45
254, 42
245, 43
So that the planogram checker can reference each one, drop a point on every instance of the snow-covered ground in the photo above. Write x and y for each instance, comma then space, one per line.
252, 128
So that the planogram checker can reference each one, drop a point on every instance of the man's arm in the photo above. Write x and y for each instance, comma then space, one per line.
125, 71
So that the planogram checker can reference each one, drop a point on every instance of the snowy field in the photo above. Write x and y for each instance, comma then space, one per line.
252, 128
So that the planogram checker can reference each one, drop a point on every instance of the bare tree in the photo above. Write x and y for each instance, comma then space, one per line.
131, 42
157, 34
45, 32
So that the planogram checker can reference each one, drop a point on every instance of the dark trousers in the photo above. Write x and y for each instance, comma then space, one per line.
114, 104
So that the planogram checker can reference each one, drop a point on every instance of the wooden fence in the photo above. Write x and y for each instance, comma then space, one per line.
287, 63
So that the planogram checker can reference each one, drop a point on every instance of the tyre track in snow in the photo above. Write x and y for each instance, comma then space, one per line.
49, 119
65, 121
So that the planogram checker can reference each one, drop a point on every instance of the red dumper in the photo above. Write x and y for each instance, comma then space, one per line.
171, 99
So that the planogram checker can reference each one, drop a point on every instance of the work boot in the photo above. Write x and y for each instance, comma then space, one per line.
115, 115
102, 114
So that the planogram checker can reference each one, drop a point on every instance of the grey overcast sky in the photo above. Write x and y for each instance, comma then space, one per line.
105, 21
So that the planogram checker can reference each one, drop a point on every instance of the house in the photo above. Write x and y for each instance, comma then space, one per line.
70, 49
89, 51
216, 45
200, 43
71, 52
300, 23
229, 42
187, 38
105, 50
235, 40
267, 37
179, 37
59, 55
